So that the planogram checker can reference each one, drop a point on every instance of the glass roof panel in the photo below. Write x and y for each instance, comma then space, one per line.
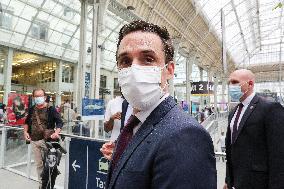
248, 30
52, 27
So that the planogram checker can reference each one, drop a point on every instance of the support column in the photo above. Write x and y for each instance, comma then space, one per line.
95, 55
82, 55
209, 79
171, 81
224, 48
8, 75
188, 84
201, 79
75, 85
215, 92
171, 88
58, 76
223, 93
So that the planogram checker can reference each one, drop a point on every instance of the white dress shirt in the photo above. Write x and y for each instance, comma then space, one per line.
114, 106
142, 115
246, 103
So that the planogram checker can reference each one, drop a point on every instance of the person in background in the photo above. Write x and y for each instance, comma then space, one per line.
202, 115
117, 113
114, 118
3, 114
254, 140
43, 123
222, 144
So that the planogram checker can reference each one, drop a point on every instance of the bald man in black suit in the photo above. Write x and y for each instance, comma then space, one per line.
255, 138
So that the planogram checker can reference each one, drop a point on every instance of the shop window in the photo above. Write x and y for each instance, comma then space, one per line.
115, 84
103, 81
39, 30
67, 73
47, 72
6, 17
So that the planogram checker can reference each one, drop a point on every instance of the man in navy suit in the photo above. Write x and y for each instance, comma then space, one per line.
254, 141
161, 146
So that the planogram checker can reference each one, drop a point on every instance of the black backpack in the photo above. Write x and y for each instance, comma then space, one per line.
51, 159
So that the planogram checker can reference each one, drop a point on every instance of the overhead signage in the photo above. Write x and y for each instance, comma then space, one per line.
93, 109
202, 88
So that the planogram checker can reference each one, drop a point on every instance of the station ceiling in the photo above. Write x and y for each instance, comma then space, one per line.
253, 28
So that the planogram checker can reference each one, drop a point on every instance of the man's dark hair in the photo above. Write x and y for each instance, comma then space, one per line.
140, 25
39, 90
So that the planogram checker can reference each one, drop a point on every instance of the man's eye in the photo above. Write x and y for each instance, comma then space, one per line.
124, 62
149, 59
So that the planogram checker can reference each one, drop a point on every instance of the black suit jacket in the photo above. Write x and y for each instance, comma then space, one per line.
169, 151
255, 160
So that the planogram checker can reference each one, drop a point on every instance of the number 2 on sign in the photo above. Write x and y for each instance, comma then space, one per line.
200, 87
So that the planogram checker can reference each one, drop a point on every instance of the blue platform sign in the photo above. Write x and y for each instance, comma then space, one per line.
92, 108
87, 166
87, 84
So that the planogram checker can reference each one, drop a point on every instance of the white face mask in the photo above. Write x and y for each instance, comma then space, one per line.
39, 100
140, 85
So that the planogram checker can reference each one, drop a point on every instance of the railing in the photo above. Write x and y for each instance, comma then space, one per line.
208, 120
215, 124
17, 156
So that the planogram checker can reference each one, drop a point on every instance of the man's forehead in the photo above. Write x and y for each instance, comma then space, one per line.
141, 40
39, 92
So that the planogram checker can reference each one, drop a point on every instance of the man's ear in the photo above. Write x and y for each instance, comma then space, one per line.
250, 83
170, 70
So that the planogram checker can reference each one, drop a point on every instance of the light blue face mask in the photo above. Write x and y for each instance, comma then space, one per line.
39, 100
235, 92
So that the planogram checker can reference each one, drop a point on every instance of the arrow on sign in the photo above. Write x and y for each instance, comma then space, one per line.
74, 165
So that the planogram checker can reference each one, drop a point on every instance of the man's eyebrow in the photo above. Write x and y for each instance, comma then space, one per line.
143, 52
121, 55
148, 52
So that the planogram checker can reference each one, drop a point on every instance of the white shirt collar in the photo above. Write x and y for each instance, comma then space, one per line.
247, 101
142, 115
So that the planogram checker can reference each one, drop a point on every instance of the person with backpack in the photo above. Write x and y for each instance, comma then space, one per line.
43, 123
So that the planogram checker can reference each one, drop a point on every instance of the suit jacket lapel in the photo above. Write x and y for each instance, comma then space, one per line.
145, 129
246, 115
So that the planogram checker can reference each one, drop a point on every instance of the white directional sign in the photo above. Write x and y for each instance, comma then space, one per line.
74, 165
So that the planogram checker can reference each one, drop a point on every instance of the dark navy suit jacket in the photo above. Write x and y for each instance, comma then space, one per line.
255, 160
170, 150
